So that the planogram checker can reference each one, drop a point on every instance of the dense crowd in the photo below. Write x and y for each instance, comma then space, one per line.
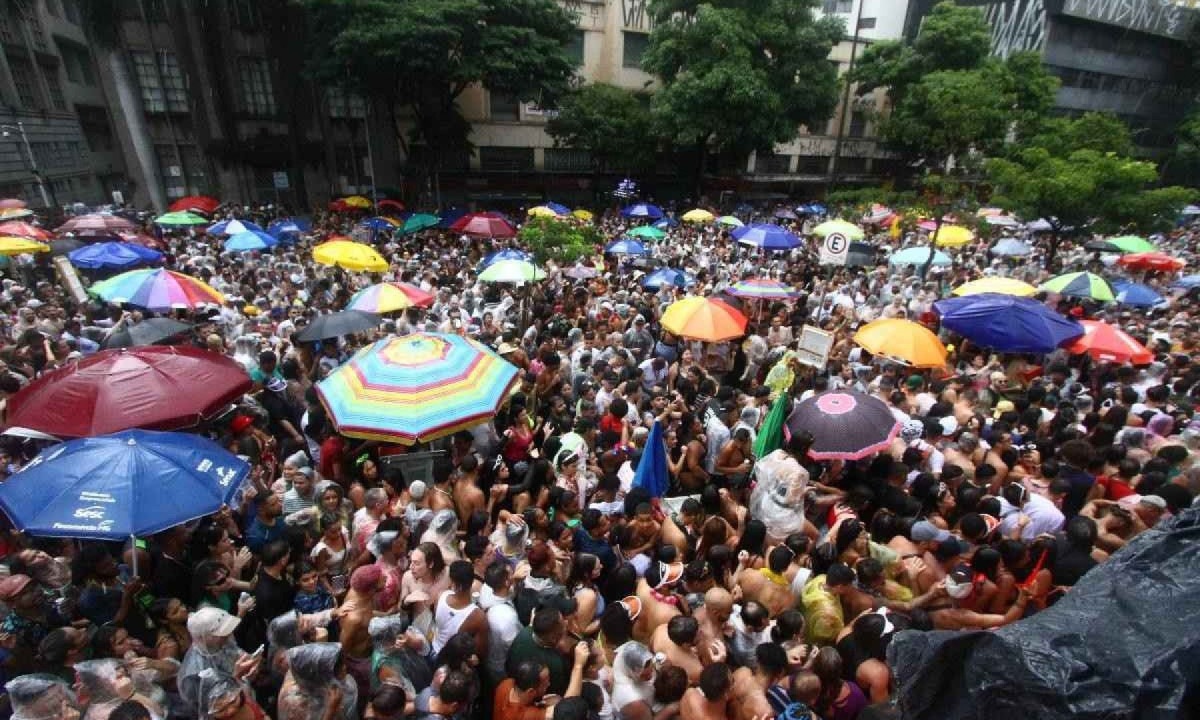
528, 576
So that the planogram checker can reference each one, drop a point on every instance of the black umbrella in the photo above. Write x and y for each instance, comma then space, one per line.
1101, 246
148, 332
844, 424
861, 254
65, 245
346, 322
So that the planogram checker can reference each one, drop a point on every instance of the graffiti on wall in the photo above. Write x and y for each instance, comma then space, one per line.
636, 15
1016, 25
1157, 17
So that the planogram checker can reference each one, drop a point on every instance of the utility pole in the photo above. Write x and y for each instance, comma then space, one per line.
847, 113
47, 198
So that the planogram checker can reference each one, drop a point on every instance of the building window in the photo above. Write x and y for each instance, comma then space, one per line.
576, 46
774, 164
77, 63
506, 159
25, 82
258, 98
171, 170
154, 100
156, 10
54, 86
505, 107
858, 124
345, 104
813, 165
96, 129
852, 165
568, 160
173, 82
634, 47
844, 7
193, 169
866, 24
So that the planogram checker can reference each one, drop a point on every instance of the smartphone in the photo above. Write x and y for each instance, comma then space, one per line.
259, 651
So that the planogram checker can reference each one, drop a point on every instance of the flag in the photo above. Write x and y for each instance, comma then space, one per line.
652, 473
770, 435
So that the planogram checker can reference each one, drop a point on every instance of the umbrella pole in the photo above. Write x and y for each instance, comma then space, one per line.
134, 548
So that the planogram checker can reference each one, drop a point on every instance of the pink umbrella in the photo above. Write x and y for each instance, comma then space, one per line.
96, 222
487, 224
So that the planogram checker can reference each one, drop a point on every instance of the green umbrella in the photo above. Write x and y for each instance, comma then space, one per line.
848, 230
180, 218
419, 222
646, 231
1132, 244
729, 221
1080, 285
512, 271
770, 435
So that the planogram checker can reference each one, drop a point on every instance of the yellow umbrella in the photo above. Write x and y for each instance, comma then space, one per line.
349, 255
584, 215
706, 319
20, 246
1002, 285
357, 201
902, 340
698, 216
952, 236
542, 211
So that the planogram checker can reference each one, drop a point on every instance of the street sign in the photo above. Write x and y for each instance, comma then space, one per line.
281, 180
834, 249
814, 346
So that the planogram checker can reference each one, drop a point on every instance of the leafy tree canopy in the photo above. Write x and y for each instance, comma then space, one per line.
561, 240
611, 123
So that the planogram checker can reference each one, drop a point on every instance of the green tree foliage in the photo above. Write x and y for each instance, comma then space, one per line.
611, 123
561, 240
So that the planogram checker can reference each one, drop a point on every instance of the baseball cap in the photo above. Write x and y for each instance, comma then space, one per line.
417, 489
13, 585
925, 531
1156, 501
212, 622
914, 381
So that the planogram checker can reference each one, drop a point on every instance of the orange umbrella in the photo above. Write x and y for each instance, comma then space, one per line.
1109, 344
704, 319
903, 340
1151, 261
25, 230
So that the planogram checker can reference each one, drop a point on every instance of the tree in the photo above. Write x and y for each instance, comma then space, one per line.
611, 123
740, 76
561, 240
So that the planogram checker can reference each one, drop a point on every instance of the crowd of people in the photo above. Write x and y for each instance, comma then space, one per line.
528, 576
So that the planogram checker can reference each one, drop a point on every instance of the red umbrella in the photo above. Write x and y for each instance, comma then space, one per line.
141, 239
195, 203
1109, 344
24, 229
1151, 261
487, 224
392, 204
96, 223
154, 387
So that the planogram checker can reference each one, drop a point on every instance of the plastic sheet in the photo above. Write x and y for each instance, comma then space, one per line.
1124, 642
41, 697
778, 495
387, 636
314, 668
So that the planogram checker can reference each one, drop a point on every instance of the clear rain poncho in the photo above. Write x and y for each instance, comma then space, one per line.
778, 495
283, 634
41, 697
628, 664
388, 635
443, 532
104, 684
314, 670
199, 658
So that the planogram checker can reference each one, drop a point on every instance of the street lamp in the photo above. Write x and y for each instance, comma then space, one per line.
6, 131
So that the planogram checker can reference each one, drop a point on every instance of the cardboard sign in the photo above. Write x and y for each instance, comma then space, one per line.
70, 279
835, 248
814, 348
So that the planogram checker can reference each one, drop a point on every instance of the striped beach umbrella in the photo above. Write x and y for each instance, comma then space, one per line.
762, 289
389, 297
158, 290
1080, 285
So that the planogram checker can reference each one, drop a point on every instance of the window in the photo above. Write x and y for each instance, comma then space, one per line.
54, 86
576, 46
504, 107
77, 63
344, 104
774, 164
25, 82
506, 159
568, 160
813, 165
258, 98
635, 44
852, 165
37, 33
173, 82
193, 169
171, 170
866, 24
96, 129
858, 124
156, 10
844, 7
154, 100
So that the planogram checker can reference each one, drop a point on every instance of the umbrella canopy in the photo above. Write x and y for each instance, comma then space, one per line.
625, 247
579, 271
333, 325
844, 424
1106, 343
380, 224
505, 254
113, 255
812, 208
416, 388
847, 229
642, 210
1132, 244
904, 341
706, 319
14, 213
389, 297
389, 204
542, 211
98, 221
233, 227
1012, 247
698, 215
667, 276
157, 290
180, 219
766, 236
952, 236
860, 254
1002, 285
919, 256
195, 203
23, 229
665, 223
878, 215
512, 271
1002, 221
358, 202
1136, 294
12, 204
419, 222
584, 215
1080, 285
485, 225
784, 213
762, 289
250, 240
147, 332
1007, 323
134, 483
770, 434
557, 207
64, 246
729, 221
1151, 261
157, 387
1187, 282
350, 255
645, 231
652, 472
21, 246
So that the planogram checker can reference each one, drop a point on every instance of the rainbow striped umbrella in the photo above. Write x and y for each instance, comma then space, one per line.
157, 290
762, 289
416, 388
389, 297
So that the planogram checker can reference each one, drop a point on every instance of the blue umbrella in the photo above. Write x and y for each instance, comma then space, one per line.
132, 483
812, 209
652, 467
113, 255
1007, 323
558, 208
642, 210
918, 256
1009, 247
785, 214
625, 246
232, 227
666, 223
766, 236
505, 254
667, 276
449, 217
1135, 294
1187, 282
377, 224
250, 240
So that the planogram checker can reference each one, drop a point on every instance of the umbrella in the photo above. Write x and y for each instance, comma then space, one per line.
1002, 221
849, 230
785, 214
770, 435
919, 256
558, 207
698, 216
195, 203
96, 221
390, 204
1007, 323
64, 246
667, 276
902, 340
449, 217
1132, 244
512, 271
350, 255
642, 210
581, 272
21, 246
157, 290
419, 222
1080, 285
860, 254
1136, 294
14, 213
625, 247
645, 231
505, 254
1187, 282
179, 219
134, 483
389, 297
652, 474
150, 331
1012, 247
12, 204
762, 289
542, 211
159, 387
705, 319
665, 223
878, 215
1190, 210
233, 227
334, 325
813, 208
952, 236
1151, 261
485, 225
416, 388
729, 221
113, 255
1106, 343
23, 229
358, 202
844, 424
584, 215
379, 224
1002, 285
250, 240
766, 236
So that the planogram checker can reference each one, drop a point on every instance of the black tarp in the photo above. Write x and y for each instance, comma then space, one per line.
1123, 643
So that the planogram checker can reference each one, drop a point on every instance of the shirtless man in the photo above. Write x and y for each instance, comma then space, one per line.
713, 619
958, 588
748, 698
355, 615
768, 585
677, 640
660, 603
710, 700
467, 496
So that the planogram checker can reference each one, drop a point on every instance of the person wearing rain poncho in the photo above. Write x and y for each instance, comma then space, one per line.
633, 681
41, 697
443, 532
399, 655
285, 632
223, 698
213, 647
317, 686
105, 684
778, 496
